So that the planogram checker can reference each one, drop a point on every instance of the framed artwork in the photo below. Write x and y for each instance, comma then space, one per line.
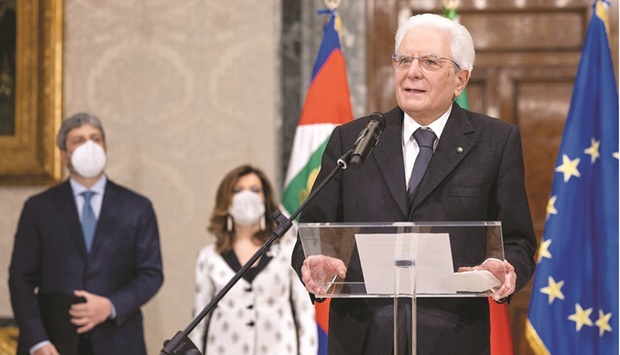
30, 91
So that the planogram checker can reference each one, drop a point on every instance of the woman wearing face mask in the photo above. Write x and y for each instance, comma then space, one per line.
268, 310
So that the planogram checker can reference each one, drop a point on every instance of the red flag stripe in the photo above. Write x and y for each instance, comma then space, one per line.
327, 100
501, 337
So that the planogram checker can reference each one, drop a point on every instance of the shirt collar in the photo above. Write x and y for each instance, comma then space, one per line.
437, 126
98, 187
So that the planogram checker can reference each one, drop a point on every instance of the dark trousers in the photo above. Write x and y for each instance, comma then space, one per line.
84, 345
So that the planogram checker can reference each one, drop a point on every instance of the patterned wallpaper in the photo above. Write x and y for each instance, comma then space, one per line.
186, 91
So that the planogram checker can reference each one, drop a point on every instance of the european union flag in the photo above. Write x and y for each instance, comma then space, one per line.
574, 304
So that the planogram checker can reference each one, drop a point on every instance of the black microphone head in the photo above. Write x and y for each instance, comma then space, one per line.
367, 139
378, 116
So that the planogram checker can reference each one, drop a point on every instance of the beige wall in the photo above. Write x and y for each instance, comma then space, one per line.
186, 91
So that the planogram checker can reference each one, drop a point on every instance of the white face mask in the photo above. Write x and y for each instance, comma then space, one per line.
88, 159
246, 208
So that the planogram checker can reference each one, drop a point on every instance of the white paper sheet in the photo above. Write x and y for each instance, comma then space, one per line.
476, 281
432, 257
433, 264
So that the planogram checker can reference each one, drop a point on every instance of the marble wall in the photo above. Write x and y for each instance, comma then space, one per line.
186, 91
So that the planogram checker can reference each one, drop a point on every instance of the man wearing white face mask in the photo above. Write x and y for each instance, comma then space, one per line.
86, 256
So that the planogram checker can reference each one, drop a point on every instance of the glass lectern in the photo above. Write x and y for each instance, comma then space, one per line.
406, 260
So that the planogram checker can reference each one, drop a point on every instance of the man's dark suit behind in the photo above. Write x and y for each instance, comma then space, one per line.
50, 258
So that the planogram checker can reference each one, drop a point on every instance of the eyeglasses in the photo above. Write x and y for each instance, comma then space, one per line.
428, 62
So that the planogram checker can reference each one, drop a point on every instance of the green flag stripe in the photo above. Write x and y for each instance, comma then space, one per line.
298, 189
463, 100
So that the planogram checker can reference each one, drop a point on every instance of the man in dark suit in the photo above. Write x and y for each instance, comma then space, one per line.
86, 256
475, 173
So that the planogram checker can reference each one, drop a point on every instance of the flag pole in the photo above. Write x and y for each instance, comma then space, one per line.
326, 106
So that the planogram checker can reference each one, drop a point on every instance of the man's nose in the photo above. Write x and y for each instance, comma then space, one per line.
415, 70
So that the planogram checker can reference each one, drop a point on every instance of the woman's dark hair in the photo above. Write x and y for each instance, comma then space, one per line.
223, 199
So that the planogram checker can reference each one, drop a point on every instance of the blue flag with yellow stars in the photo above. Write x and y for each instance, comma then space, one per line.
574, 303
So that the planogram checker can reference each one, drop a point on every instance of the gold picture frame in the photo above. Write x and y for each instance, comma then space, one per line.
29, 156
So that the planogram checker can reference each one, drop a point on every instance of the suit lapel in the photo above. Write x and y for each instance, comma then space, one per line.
388, 155
453, 146
109, 209
65, 202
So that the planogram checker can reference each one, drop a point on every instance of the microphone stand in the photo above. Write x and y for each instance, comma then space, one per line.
180, 343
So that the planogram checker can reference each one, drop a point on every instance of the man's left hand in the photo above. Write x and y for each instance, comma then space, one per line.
88, 314
503, 271
510, 280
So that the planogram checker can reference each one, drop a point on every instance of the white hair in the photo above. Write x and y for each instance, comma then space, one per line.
461, 43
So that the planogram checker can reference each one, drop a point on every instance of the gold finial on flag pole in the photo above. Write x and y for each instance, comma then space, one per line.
451, 4
450, 8
332, 4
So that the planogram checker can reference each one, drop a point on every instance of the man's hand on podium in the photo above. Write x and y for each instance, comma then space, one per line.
503, 271
319, 271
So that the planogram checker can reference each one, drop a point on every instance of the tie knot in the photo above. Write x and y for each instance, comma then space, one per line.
87, 195
424, 137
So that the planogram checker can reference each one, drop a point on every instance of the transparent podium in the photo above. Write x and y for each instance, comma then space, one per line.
407, 260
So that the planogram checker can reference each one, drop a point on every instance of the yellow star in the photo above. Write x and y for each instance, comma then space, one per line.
551, 206
554, 290
603, 322
543, 250
581, 316
568, 167
593, 150
616, 155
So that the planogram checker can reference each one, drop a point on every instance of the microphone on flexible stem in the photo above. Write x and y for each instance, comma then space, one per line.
367, 139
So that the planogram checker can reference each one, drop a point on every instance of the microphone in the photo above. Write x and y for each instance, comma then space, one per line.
367, 139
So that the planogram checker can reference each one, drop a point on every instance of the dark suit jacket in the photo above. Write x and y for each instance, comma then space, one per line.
50, 254
483, 181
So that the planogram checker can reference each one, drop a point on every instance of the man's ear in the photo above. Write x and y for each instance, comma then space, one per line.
462, 78
64, 157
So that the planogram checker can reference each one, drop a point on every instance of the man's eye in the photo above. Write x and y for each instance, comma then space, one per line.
431, 62
406, 60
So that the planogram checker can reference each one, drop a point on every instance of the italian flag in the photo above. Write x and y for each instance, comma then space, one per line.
501, 336
327, 105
